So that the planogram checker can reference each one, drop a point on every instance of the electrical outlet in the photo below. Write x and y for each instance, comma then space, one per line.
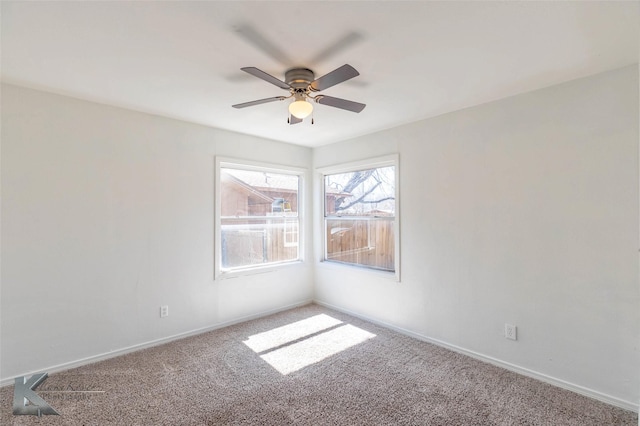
164, 311
511, 331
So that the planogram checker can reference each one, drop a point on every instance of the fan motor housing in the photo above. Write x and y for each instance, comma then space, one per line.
299, 78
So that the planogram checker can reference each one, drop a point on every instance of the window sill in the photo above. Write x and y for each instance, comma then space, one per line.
337, 266
223, 275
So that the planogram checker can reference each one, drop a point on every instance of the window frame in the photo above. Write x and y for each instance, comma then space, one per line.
258, 166
370, 163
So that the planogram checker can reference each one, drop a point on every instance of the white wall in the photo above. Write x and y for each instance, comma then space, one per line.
524, 210
521, 211
107, 214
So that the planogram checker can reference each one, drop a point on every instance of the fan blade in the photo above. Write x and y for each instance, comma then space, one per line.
340, 103
260, 41
259, 101
294, 120
266, 77
337, 47
336, 76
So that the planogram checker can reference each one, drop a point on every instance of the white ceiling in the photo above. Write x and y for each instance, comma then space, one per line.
416, 59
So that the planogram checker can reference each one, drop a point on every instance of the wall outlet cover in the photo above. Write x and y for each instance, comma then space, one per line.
511, 331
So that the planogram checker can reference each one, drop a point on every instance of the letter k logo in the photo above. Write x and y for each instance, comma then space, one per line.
24, 392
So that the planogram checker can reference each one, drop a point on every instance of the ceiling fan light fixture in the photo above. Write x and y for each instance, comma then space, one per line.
300, 109
300, 82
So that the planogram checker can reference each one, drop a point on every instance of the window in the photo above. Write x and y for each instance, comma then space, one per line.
259, 221
360, 205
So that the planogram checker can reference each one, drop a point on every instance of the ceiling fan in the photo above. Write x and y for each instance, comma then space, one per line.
301, 83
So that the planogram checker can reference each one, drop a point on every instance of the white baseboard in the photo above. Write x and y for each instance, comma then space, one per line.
112, 354
627, 405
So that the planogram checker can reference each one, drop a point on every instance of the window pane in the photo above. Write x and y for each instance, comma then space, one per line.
258, 193
251, 242
361, 242
259, 222
361, 193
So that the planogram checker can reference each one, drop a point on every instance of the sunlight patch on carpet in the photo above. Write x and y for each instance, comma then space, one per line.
286, 334
292, 351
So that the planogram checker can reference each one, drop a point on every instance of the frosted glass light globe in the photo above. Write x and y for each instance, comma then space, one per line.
300, 109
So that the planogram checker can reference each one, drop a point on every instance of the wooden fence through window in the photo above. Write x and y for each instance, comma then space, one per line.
362, 242
255, 242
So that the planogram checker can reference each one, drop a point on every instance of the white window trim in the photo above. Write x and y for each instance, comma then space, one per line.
370, 163
226, 162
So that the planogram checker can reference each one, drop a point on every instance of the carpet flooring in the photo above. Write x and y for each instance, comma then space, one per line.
306, 366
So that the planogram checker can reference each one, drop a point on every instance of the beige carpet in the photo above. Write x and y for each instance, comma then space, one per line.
307, 366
